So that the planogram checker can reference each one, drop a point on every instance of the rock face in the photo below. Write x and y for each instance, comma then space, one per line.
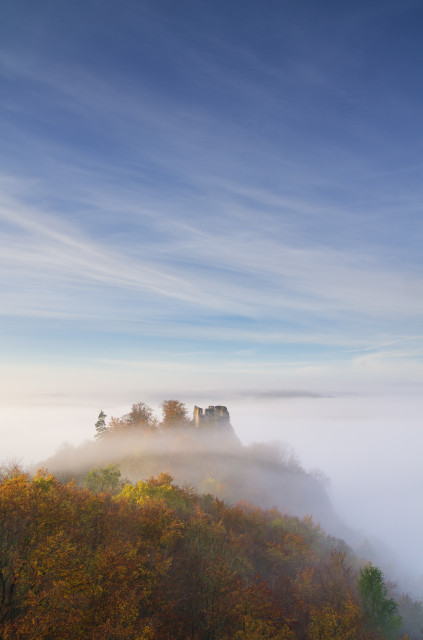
212, 416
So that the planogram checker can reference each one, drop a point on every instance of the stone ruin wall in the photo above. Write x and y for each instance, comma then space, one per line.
212, 416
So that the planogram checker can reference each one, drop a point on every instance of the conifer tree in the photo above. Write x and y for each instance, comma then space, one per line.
378, 607
100, 425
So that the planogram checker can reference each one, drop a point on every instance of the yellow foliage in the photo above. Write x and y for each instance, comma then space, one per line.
328, 623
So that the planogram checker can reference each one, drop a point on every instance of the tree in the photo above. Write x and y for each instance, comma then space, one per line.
175, 413
411, 611
333, 623
336, 577
380, 610
106, 479
100, 425
141, 415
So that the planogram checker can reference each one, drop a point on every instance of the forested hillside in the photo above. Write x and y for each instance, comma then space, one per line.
160, 562
211, 459
157, 530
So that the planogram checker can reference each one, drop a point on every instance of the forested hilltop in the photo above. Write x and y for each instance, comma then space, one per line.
209, 458
170, 528
159, 562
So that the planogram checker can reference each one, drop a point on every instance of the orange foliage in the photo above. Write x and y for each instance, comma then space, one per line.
158, 562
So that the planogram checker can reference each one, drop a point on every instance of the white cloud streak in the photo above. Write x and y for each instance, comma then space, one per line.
245, 271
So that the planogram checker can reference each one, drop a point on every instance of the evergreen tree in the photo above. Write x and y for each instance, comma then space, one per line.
380, 610
100, 425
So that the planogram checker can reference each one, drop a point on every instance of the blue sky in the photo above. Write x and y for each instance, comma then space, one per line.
211, 192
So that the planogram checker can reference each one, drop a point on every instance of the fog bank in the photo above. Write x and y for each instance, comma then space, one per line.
368, 446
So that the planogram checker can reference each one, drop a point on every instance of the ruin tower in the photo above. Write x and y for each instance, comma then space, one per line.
213, 416
198, 416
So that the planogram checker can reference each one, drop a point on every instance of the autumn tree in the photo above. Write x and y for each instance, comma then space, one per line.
159, 562
140, 417
336, 577
174, 414
337, 623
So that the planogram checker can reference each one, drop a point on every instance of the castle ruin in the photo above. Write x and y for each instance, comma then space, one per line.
212, 416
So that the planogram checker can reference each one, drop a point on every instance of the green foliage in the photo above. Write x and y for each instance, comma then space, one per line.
106, 479
380, 610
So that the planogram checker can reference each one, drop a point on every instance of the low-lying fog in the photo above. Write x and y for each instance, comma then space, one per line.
371, 450
369, 447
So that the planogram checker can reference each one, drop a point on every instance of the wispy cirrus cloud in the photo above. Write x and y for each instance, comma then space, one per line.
244, 200
187, 273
